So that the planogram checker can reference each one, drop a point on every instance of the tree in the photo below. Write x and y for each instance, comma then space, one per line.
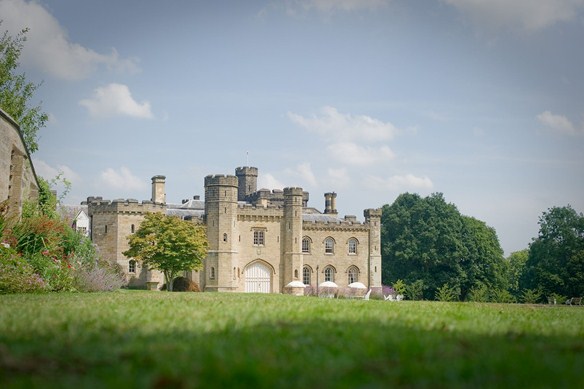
168, 244
515, 268
427, 239
556, 257
16, 92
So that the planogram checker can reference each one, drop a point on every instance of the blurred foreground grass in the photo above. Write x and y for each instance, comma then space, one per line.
193, 340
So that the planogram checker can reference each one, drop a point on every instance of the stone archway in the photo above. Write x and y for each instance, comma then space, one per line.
258, 278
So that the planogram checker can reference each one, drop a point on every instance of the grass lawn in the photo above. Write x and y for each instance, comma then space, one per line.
182, 340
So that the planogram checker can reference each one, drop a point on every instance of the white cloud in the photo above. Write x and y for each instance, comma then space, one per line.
336, 126
268, 181
122, 179
354, 154
304, 172
400, 183
559, 124
116, 100
339, 177
49, 172
327, 6
48, 47
524, 15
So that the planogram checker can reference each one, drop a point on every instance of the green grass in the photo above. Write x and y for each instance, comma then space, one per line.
154, 340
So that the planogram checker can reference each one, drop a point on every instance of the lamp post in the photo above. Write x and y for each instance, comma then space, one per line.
317, 280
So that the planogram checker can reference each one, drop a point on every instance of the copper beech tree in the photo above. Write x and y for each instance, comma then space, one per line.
168, 244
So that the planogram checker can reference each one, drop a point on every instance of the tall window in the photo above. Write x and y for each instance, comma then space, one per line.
132, 229
353, 274
306, 275
258, 238
329, 274
132, 266
352, 246
329, 246
306, 245
212, 275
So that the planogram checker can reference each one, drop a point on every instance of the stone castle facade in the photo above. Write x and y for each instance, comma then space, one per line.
18, 180
259, 240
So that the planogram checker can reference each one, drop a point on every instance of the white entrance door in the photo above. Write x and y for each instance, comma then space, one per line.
257, 278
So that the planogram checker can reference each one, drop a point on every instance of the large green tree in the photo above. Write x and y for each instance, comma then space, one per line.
428, 239
16, 93
168, 244
516, 266
556, 257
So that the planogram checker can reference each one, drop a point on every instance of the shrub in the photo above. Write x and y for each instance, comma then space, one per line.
183, 284
56, 273
101, 277
502, 296
479, 293
16, 274
415, 290
530, 296
448, 293
556, 298
400, 287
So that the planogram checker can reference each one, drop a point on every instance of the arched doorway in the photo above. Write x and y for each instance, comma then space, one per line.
258, 278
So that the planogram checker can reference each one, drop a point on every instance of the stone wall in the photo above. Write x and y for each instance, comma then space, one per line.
18, 181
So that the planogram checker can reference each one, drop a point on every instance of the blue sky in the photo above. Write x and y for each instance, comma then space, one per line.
480, 100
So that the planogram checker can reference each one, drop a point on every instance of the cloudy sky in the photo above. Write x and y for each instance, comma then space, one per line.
480, 100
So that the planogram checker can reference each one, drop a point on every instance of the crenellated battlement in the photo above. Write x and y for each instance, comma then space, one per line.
97, 205
221, 180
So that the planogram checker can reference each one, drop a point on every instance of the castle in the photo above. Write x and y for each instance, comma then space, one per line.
259, 240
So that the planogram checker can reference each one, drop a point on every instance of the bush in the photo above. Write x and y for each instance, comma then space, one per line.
502, 296
399, 287
530, 296
556, 298
183, 284
479, 294
448, 293
56, 273
16, 274
415, 290
101, 277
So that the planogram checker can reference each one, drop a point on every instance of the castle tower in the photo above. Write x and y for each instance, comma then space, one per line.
373, 219
292, 236
158, 190
222, 232
247, 178
330, 203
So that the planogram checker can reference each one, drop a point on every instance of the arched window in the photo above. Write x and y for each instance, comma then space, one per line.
224, 237
296, 274
306, 245
306, 275
353, 274
329, 274
132, 266
132, 228
329, 246
353, 246
212, 274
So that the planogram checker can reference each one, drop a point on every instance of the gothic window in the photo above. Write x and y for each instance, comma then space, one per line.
353, 274
329, 246
132, 228
306, 275
352, 246
329, 274
224, 237
258, 238
132, 266
306, 245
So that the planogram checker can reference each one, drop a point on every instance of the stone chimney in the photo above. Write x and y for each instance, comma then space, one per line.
330, 203
158, 190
